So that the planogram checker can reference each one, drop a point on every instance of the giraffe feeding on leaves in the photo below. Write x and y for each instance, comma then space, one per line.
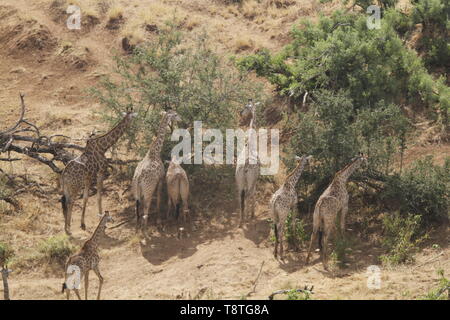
330, 203
247, 172
91, 165
283, 200
149, 174
177, 188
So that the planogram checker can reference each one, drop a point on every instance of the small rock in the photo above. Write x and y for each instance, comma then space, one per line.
18, 70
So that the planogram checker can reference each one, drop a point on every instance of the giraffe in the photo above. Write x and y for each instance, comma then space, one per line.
283, 200
149, 174
90, 165
177, 188
247, 173
85, 260
333, 200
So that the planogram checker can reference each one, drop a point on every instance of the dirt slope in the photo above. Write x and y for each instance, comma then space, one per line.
53, 66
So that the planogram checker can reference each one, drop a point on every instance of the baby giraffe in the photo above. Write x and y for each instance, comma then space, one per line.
87, 259
283, 200
333, 200
177, 188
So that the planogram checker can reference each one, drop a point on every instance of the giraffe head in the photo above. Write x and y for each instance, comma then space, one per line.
360, 159
248, 111
303, 159
129, 114
170, 117
106, 217
177, 159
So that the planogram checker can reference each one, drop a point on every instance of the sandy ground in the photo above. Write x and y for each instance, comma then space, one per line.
215, 260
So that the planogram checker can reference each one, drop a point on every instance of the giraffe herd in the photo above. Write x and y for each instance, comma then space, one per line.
150, 174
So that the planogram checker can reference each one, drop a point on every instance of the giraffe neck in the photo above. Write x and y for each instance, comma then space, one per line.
104, 142
292, 179
252, 136
156, 146
346, 172
98, 231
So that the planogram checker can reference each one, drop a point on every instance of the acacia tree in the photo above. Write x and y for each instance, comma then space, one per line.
167, 73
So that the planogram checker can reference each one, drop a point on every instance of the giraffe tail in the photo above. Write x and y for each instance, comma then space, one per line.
320, 239
64, 287
64, 205
177, 211
275, 231
137, 211
242, 200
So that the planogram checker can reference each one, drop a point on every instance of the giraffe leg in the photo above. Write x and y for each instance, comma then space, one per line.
77, 291
68, 217
85, 200
169, 207
68, 294
158, 196
315, 233
275, 230
343, 215
311, 244
325, 249
252, 204
241, 207
281, 232
86, 285
138, 213
146, 214
99, 192
100, 279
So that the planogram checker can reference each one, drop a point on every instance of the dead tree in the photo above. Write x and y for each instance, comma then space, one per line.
5, 274
24, 137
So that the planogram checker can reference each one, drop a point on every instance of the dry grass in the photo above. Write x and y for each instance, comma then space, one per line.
243, 44
115, 12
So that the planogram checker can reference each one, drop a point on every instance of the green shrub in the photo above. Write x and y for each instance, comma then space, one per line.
424, 190
6, 254
401, 237
342, 245
56, 249
296, 295
169, 73
433, 15
296, 234
333, 133
442, 292
341, 53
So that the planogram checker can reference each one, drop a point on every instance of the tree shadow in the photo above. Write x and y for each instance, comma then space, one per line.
163, 245
257, 231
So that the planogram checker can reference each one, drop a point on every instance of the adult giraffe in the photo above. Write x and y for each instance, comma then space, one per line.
334, 199
91, 164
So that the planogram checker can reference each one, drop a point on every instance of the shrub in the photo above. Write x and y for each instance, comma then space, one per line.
298, 295
422, 190
296, 234
433, 15
167, 73
401, 237
333, 133
56, 249
341, 53
442, 292
6, 254
342, 245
